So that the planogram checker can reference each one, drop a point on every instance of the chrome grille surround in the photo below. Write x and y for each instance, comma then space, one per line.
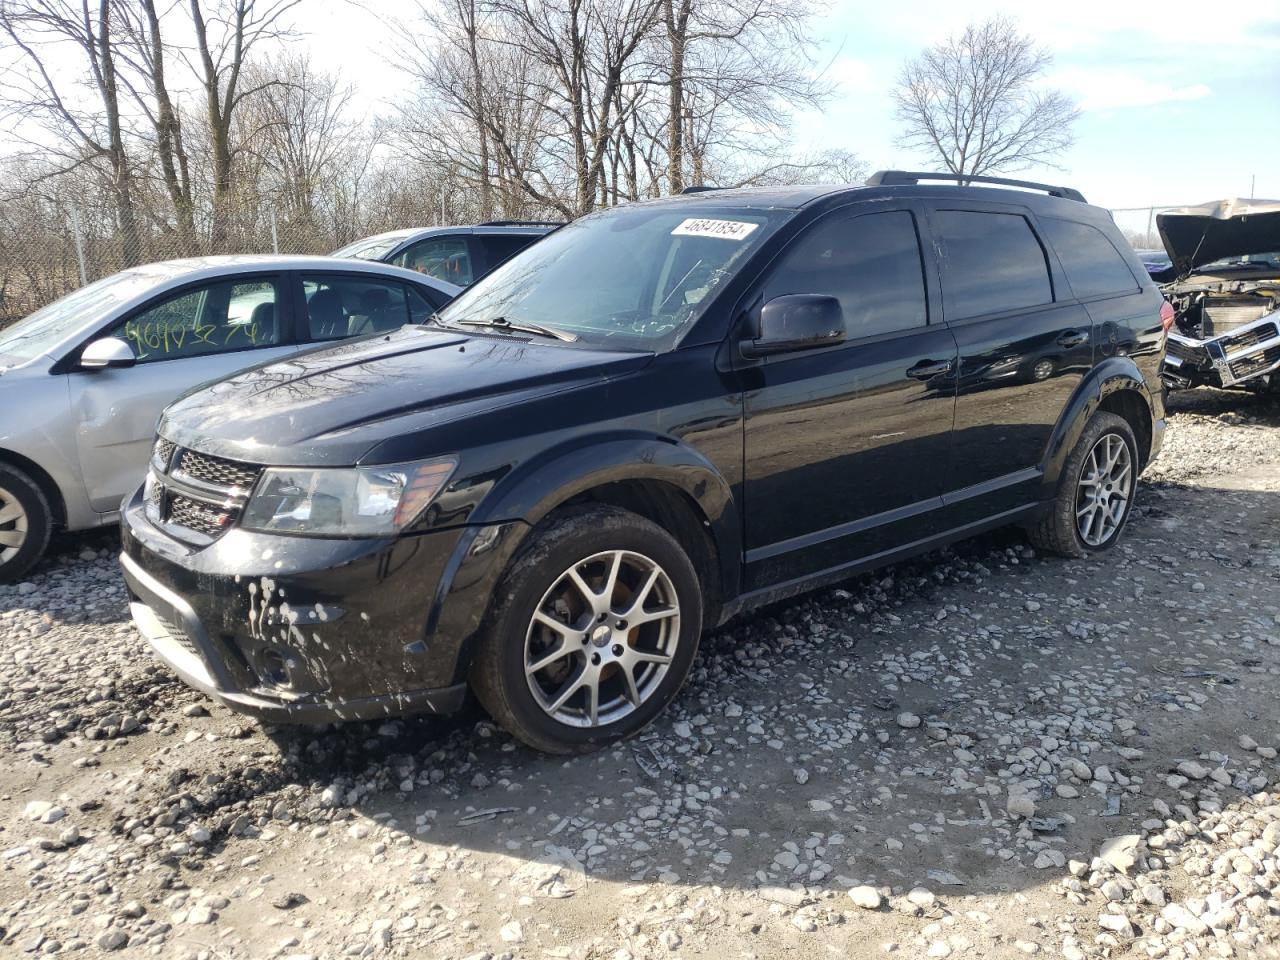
197, 497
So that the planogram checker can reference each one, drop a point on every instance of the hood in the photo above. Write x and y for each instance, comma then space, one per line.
333, 405
1194, 236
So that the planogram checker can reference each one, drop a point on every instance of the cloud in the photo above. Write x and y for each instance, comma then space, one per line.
1113, 89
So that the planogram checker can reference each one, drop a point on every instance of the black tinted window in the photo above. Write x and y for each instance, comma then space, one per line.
871, 264
348, 306
422, 304
498, 249
990, 263
1094, 267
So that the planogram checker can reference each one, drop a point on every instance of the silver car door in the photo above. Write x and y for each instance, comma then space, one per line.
206, 332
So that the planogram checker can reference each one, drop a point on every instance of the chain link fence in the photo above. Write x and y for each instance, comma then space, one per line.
49, 251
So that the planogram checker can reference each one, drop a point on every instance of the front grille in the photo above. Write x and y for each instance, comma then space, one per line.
217, 471
1258, 363
203, 518
1251, 338
162, 453
196, 492
1183, 352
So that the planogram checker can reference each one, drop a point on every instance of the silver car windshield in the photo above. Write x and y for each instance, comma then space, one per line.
631, 277
370, 248
40, 332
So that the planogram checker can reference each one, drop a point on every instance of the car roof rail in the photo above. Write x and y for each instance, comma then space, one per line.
701, 189
886, 178
521, 223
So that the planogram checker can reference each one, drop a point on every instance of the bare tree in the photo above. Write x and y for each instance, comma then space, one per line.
146, 53
973, 102
226, 33
302, 129
734, 72
85, 131
588, 48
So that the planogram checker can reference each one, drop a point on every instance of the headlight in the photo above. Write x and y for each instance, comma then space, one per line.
350, 502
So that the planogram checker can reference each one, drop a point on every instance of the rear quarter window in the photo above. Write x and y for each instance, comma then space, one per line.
1094, 266
989, 263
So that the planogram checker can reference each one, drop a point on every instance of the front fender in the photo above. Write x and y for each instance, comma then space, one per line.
543, 483
503, 520
1110, 376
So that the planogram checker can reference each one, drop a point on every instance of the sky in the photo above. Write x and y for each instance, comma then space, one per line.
1177, 105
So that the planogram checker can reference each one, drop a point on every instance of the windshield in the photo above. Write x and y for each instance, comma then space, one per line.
370, 248
1263, 261
636, 277
43, 330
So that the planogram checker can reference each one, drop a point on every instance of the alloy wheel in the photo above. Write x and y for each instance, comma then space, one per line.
13, 525
602, 639
1104, 489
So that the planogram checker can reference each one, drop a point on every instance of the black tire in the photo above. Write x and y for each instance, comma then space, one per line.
19, 492
1058, 531
498, 672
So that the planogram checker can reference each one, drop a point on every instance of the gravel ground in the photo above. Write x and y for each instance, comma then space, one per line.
983, 753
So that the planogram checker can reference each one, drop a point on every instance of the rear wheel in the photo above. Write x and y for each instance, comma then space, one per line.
25, 523
1095, 491
592, 633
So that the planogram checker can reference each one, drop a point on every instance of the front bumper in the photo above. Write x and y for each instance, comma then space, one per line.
1246, 353
297, 629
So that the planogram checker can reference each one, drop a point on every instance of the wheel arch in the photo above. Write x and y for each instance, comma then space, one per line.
41, 478
661, 479
1115, 385
658, 477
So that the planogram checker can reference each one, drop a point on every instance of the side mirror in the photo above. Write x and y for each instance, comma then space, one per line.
801, 321
107, 352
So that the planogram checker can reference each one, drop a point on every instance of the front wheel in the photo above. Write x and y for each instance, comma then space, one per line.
26, 523
1095, 491
593, 631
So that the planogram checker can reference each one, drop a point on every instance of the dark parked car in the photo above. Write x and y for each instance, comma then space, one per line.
458, 255
659, 416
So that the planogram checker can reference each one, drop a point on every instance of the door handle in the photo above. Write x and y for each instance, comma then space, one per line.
926, 369
1073, 338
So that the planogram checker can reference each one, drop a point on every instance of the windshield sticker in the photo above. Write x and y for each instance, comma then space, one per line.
724, 229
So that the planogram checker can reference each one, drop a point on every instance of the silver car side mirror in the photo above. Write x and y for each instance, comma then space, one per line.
107, 352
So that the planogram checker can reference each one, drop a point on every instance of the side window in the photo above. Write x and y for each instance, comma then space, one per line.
215, 318
1094, 266
990, 263
871, 264
500, 248
445, 258
422, 304
351, 306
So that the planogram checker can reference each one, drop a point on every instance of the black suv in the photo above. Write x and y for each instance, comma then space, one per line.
657, 417
459, 255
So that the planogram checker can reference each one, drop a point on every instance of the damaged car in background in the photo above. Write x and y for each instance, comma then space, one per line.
1224, 286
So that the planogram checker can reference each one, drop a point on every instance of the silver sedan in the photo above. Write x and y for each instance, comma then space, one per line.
83, 380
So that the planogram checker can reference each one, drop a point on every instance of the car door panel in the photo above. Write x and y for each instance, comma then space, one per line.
846, 447
845, 455
1018, 362
116, 412
184, 339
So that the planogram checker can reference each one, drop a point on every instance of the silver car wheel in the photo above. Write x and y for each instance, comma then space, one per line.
1103, 491
602, 639
13, 526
